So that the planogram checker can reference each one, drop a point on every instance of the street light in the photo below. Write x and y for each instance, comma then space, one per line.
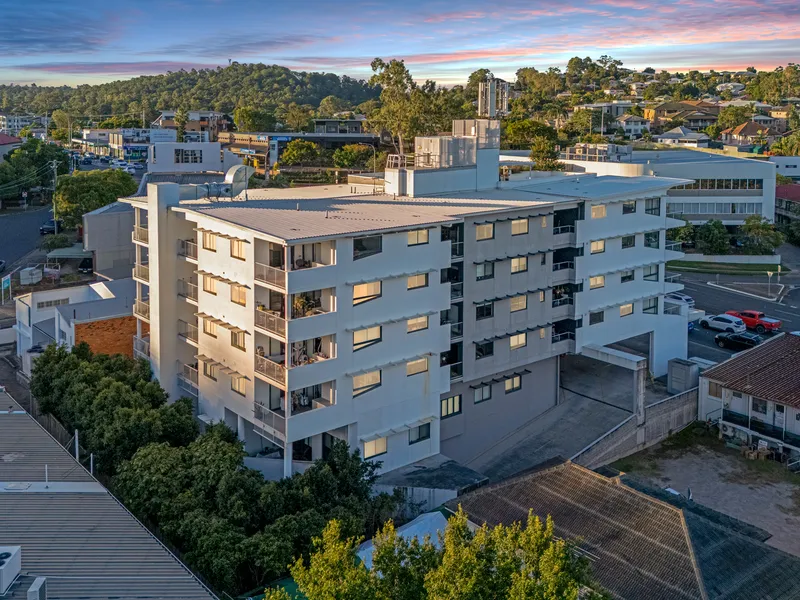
769, 283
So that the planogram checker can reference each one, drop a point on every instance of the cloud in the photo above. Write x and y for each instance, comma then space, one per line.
239, 46
28, 32
113, 68
454, 16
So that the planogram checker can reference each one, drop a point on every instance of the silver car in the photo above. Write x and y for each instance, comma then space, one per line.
723, 323
682, 298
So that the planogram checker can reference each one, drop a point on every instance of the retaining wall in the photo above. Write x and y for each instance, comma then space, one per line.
735, 259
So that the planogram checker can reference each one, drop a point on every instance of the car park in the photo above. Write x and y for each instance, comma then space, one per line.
682, 298
737, 341
756, 320
86, 266
50, 226
727, 323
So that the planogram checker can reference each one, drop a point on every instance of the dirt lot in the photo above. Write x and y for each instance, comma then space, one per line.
762, 493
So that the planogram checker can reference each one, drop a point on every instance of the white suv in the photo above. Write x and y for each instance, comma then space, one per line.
723, 323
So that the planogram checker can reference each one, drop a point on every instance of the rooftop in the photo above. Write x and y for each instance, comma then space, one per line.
114, 299
437, 471
789, 191
7, 140
750, 129
768, 371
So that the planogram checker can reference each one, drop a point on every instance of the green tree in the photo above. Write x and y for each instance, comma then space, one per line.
583, 122
85, 191
352, 156
180, 120
396, 113
792, 232
248, 118
473, 82
294, 116
731, 116
713, 238
545, 155
53, 242
793, 118
331, 105
760, 236
783, 179
713, 131
636, 111
523, 133
121, 121
786, 146
298, 152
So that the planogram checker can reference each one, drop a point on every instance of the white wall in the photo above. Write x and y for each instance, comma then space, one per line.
161, 159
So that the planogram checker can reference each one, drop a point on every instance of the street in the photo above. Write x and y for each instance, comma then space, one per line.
19, 232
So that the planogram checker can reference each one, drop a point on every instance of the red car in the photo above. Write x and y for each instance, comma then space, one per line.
756, 320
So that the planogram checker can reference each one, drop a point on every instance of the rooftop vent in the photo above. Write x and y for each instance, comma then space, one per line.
10, 565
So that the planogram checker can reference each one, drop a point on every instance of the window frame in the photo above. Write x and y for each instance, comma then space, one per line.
421, 437
379, 452
487, 346
522, 340
239, 244
758, 401
523, 298
235, 381
601, 278
626, 204
209, 288
486, 387
370, 341
623, 245
648, 208
235, 337
447, 406
409, 285
360, 391
416, 329
650, 276
594, 315
210, 371
601, 208
483, 305
601, 244
409, 369
209, 328
485, 265
627, 276
516, 384
415, 236
238, 289
712, 387
209, 241
519, 222
479, 237
648, 307
623, 312
364, 299
366, 253
649, 235
521, 260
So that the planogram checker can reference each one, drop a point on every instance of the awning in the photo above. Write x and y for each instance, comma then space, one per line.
389, 364
500, 379
510, 256
393, 276
519, 218
390, 321
509, 334
396, 429
627, 268
221, 323
207, 360
222, 235
74, 251
221, 278
512, 295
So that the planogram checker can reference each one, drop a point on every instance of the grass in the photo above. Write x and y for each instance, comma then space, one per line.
646, 461
724, 268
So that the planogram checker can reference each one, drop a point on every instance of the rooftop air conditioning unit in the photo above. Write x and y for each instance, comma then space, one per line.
10, 566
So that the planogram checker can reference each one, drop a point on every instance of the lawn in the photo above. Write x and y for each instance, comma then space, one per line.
724, 268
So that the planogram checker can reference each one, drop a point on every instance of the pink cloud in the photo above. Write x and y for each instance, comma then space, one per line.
115, 68
454, 16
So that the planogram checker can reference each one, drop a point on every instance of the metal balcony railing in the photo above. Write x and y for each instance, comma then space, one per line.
456, 330
141, 234
141, 347
268, 417
563, 229
560, 266
185, 385
188, 330
190, 373
672, 278
271, 275
563, 301
187, 289
456, 371
672, 310
270, 322
456, 249
187, 248
141, 308
273, 370
558, 337
673, 246
456, 291
141, 272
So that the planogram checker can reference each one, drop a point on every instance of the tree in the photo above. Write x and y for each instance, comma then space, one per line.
523, 133
331, 105
85, 191
294, 116
544, 155
180, 120
786, 146
783, 179
713, 238
713, 131
792, 232
732, 116
395, 114
119, 122
760, 236
300, 152
53, 242
352, 156
583, 122
636, 111
473, 82
687, 233
29, 166
793, 118
248, 118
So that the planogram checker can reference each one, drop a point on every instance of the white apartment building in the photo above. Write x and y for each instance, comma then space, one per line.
13, 124
391, 321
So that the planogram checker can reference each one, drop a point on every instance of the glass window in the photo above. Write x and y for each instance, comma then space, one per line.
519, 303
629, 207
237, 340
596, 318
715, 389
484, 232
364, 292
239, 295
484, 310
413, 367
650, 306
418, 434
519, 340
598, 246
544, 222
209, 241
237, 249
451, 406
367, 246
652, 206
483, 393
650, 273
513, 384
239, 385
418, 281
628, 241
363, 338
759, 406
366, 382
484, 349
541, 296
519, 226
484, 271
599, 211
209, 328
209, 284
597, 282
626, 276
625, 310
418, 237
519, 265
375, 448
651, 239
417, 324
542, 333
210, 370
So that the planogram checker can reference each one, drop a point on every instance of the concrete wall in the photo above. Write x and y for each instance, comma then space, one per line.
108, 336
769, 259
108, 235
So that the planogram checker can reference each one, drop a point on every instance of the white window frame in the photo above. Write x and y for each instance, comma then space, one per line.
366, 382
519, 227
375, 448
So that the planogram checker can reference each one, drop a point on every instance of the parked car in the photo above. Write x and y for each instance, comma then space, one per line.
737, 341
691, 326
129, 170
682, 298
725, 323
105, 160
50, 227
754, 319
138, 166
86, 266
86, 160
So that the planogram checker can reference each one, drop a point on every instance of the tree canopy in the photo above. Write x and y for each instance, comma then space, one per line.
713, 238
29, 166
732, 116
299, 152
353, 156
760, 236
85, 191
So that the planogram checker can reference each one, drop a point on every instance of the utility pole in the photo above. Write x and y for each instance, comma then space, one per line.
54, 166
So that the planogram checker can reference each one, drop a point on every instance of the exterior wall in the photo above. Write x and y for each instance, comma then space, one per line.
109, 336
162, 158
788, 166
737, 259
108, 236
6, 149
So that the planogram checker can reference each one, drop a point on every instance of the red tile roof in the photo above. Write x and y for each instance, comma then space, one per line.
7, 140
750, 129
789, 191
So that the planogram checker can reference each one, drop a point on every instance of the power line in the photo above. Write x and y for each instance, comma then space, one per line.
30, 177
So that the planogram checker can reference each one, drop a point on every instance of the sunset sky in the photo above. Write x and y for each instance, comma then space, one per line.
92, 41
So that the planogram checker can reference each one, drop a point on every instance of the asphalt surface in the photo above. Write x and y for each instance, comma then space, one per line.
19, 232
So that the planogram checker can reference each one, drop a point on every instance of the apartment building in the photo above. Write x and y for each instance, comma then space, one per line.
426, 320
201, 125
13, 124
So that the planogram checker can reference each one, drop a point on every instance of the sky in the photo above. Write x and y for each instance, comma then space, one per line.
92, 41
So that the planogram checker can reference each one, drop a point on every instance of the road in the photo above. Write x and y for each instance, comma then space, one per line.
19, 232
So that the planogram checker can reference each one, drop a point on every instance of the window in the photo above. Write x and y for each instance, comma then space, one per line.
629, 207
237, 249
598, 246
652, 206
513, 384
484, 232
375, 448
544, 222
483, 349
599, 211
715, 389
628, 241
209, 241
519, 227
209, 285
519, 340
364, 292
627, 276
625, 310
210, 370
51, 303
650, 306
418, 281
759, 406
485, 310
451, 406
519, 265
484, 271
544, 259
183, 156
419, 434
541, 296
595, 318
367, 246
239, 294
414, 367
237, 340
209, 328
366, 337
417, 324
418, 237
651, 239
650, 273
366, 382
239, 385
483, 393
519, 303
597, 281
542, 333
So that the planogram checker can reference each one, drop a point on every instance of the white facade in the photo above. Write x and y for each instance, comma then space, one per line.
13, 124
788, 166
189, 157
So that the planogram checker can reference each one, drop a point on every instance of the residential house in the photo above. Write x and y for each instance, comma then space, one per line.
695, 114
8, 143
749, 134
633, 126
349, 124
733, 87
683, 136
201, 125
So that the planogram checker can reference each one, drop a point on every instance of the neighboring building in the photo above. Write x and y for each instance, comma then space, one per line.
190, 157
99, 314
683, 136
634, 126
336, 125
641, 542
391, 320
749, 134
787, 203
107, 235
788, 166
638, 87
13, 124
70, 531
8, 143
726, 188
613, 109
201, 125
94, 140
755, 396
733, 87
779, 125
134, 144
695, 114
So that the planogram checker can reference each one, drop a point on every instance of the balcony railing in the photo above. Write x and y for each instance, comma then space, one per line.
141, 308
141, 272
188, 331
736, 418
560, 266
456, 330
187, 248
270, 322
141, 347
563, 229
674, 246
563, 301
187, 289
141, 234
791, 438
307, 308
271, 275
672, 278
271, 369
188, 386
456, 291
566, 335
456, 249
456, 371
268, 417
190, 373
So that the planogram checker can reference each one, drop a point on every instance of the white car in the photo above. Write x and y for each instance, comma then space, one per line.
682, 298
129, 170
723, 323
118, 164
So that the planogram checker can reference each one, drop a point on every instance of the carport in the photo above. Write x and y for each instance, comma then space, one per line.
75, 251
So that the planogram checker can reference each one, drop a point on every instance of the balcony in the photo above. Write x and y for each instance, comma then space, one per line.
736, 418
456, 330
142, 273
674, 246
270, 418
307, 305
187, 380
273, 276
563, 301
188, 331
766, 429
187, 249
563, 229
271, 369
141, 347
141, 308
456, 371
271, 322
456, 291
560, 337
456, 249
141, 235
188, 290
561, 266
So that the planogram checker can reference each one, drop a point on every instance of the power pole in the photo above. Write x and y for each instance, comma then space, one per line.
54, 166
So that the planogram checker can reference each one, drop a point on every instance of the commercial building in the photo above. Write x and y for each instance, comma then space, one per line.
189, 157
426, 320
134, 144
201, 125
788, 166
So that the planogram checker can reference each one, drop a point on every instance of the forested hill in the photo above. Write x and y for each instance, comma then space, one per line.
222, 89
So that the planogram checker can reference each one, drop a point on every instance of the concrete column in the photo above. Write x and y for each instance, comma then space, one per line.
667, 342
287, 459
241, 428
352, 437
638, 393
316, 447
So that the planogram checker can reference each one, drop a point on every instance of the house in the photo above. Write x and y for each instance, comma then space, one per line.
400, 321
8, 143
755, 396
732, 87
750, 133
632, 125
201, 125
779, 125
349, 124
787, 203
695, 114
683, 136
638, 87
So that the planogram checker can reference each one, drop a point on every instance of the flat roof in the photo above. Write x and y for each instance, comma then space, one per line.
118, 301
679, 156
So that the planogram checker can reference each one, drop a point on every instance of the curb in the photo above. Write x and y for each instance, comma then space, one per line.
768, 299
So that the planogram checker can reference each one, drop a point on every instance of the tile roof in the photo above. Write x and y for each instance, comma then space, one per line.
789, 191
7, 140
750, 129
769, 371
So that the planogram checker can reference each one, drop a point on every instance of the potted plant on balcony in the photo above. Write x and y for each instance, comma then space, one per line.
300, 306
